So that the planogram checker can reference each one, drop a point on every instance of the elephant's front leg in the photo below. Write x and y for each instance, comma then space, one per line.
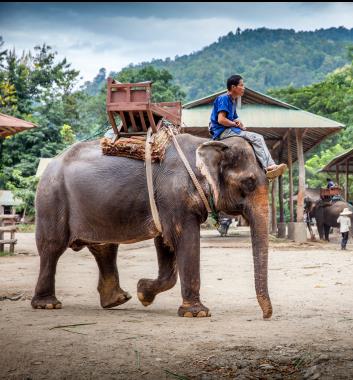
188, 260
147, 289
108, 284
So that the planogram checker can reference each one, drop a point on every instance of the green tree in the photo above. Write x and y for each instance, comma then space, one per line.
332, 98
163, 89
24, 188
40, 90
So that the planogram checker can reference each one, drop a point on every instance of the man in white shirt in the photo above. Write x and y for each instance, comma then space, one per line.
344, 221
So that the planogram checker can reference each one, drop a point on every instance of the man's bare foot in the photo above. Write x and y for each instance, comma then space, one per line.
274, 171
271, 167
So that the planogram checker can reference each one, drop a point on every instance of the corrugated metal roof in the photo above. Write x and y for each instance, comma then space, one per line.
43, 163
10, 125
340, 161
250, 97
7, 199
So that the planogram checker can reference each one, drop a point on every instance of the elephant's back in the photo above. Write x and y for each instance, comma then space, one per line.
333, 212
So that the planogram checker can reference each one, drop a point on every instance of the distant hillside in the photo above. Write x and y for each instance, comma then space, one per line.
267, 58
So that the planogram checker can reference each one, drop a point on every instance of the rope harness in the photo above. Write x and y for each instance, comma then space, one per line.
210, 209
148, 161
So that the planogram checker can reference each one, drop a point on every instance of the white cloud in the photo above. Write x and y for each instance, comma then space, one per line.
93, 39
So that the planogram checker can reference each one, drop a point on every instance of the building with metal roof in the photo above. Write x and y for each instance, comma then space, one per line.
8, 201
289, 132
342, 163
268, 116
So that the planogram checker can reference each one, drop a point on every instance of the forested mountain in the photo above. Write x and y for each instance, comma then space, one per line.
266, 58
38, 87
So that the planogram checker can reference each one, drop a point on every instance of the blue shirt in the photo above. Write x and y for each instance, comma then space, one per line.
222, 103
330, 184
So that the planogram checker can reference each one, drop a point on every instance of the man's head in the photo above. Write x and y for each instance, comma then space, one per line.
235, 86
328, 179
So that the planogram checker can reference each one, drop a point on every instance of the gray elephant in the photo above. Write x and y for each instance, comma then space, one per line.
85, 198
325, 214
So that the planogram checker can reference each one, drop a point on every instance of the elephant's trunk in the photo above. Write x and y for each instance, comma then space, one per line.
258, 211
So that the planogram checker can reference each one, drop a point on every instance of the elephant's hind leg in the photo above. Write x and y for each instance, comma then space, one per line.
108, 284
167, 277
327, 232
49, 251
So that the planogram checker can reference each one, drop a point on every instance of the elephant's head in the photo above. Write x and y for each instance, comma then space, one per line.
309, 205
232, 171
239, 185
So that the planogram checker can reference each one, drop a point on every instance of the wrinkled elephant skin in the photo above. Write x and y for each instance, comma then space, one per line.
85, 198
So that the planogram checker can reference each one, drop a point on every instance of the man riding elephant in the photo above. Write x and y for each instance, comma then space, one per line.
325, 214
85, 198
225, 123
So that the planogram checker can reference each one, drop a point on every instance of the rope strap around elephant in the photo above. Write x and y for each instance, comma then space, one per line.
191, 173
148, 161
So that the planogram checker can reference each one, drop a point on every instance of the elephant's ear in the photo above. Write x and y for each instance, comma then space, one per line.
208, 158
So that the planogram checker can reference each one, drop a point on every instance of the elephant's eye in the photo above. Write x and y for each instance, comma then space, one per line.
248, 185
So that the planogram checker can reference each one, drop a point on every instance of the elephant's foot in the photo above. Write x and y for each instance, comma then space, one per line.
49, 302
191, 310
113, 297
265, 305
146, 291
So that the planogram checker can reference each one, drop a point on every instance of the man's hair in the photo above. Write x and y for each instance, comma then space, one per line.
233, 80
328, 179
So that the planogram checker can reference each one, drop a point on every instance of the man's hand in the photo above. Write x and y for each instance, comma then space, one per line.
239, 124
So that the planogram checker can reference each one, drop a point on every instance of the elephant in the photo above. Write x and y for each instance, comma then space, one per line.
87, 199
325, 214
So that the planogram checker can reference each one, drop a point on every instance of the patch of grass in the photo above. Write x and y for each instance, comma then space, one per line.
26, 227
3, 254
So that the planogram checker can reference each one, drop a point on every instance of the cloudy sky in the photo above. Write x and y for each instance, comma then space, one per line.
112, 35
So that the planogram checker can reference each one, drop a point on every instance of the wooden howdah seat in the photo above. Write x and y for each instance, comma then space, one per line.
329, 193
132, 103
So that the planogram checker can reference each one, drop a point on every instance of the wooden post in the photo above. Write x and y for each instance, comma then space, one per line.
346, 182
273, 207
238, 102
2, 223
290, 177
280, 188
280, 198
301, 174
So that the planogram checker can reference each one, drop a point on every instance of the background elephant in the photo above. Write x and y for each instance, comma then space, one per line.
325, 214
85, 198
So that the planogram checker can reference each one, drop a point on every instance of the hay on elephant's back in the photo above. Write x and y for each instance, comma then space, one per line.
134, 146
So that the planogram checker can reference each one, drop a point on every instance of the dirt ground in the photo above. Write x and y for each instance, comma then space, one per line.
308, 337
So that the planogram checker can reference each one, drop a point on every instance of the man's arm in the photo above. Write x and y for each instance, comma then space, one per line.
223, 120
